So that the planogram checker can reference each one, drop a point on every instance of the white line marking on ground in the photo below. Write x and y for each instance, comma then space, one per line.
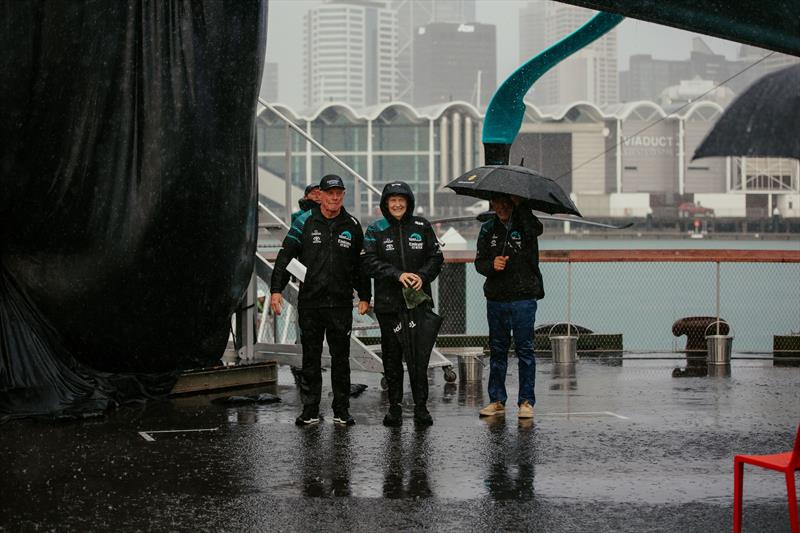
586, 413
146, 435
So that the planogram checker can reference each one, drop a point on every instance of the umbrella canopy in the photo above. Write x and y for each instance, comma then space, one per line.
761, 122
543, 194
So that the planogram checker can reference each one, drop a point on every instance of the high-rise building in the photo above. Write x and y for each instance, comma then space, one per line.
269, 82
454, 62
588, 75
349, 53
411, 14
647, 77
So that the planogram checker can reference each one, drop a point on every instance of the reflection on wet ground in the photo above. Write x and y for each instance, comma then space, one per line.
616, 446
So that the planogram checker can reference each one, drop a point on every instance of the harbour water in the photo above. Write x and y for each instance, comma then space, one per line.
642, 300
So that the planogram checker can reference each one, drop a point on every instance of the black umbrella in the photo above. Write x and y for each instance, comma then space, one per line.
417, 331
543, 194
761, 122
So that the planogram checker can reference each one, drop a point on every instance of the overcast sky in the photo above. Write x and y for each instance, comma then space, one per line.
285, 45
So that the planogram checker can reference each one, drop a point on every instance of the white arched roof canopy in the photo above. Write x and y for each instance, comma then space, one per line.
341, 109
623, 111
700, 106
560, 112
373, 112
436, 111
285, 110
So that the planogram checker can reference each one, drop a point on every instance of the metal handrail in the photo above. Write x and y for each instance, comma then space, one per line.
324, 150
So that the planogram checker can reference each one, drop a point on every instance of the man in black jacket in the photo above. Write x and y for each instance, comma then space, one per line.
328, 241
309, 200
401, 251
508, 255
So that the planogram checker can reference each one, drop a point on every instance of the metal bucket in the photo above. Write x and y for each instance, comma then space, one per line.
564, 348
470, 368
719, 346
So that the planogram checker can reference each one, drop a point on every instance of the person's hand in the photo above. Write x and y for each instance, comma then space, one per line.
411, 280
276, 303
363, 307
500, 262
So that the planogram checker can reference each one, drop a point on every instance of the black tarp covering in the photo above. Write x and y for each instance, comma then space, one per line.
773, 25
127, 193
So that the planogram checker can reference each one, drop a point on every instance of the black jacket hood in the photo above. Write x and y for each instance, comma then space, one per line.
305, 204
395, 188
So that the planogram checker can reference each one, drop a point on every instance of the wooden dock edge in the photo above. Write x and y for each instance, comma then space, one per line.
226, 377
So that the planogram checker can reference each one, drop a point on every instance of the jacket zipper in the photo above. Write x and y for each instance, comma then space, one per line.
402, 245
330, 256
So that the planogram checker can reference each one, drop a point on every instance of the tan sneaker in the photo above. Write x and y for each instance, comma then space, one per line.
525, 410
494, 408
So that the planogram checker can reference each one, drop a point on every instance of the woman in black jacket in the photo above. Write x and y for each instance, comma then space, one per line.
401, 251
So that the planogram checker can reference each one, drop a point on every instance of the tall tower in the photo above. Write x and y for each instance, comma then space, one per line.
590, 74
454, 62
349, 53
411, 14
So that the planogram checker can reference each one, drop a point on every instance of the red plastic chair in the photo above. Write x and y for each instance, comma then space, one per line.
786, 462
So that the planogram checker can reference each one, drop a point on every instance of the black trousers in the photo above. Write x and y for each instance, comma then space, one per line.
315, 325
392, 356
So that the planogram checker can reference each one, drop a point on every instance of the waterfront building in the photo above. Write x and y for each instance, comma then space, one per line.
647, 77
441, 52
411, 14
620, 160
349, 53
588, 75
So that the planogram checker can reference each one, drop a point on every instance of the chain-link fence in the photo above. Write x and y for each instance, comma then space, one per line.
629, 303
649, 304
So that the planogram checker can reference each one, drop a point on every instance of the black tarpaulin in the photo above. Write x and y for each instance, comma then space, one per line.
127, 193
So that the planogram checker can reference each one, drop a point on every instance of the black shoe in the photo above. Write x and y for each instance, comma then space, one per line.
343, 419
422, 417
310, 416
394, 418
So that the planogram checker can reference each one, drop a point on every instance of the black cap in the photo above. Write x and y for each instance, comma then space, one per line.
310, 188
331, 181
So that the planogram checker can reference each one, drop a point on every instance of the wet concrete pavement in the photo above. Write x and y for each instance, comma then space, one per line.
619, 445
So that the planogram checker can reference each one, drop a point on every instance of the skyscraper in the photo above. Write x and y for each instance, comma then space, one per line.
590, 74
647, 76
411, 14
349, 53
454, 62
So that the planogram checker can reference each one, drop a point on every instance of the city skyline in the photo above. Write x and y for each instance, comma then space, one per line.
285, 41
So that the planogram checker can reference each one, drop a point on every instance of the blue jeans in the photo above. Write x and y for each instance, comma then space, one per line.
504, 317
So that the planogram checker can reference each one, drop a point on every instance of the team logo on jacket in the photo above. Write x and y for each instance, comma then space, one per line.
515, 235
415, 241
388, 245
316, 237
345, 239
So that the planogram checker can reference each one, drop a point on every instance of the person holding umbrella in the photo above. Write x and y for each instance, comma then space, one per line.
402, 253
508, 255
328, 241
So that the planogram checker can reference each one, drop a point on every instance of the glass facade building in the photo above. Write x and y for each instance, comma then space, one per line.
636, 154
